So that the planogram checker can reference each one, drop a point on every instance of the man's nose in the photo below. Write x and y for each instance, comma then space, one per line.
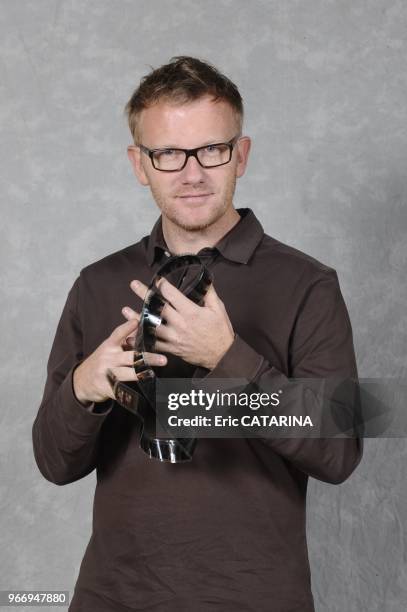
193, 171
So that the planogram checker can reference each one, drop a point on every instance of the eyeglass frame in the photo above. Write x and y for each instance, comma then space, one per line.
191, 153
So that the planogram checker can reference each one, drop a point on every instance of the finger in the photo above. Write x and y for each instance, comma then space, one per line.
129, 313
130, 343
174, 296
124, 374
139, 288
120, 333
163, 347
152, 359
164, 333
169, 315
211, 298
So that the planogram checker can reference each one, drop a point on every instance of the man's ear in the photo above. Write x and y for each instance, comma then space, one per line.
134, 155
242, 151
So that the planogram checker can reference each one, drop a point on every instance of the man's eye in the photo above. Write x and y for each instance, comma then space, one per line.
165, 154
211, 149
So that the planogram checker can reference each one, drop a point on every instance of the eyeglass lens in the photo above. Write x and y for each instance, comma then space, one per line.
210, 156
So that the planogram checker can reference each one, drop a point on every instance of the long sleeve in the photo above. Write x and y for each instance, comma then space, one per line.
321, 346
65, 433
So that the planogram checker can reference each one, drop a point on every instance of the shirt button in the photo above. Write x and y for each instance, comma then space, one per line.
167, 254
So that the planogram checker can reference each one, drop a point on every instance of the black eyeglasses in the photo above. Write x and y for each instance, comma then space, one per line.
174, 160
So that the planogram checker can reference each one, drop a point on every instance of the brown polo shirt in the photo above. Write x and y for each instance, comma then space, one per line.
226, 531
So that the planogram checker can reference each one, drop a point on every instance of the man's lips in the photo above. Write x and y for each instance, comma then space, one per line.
194, 195
194, 199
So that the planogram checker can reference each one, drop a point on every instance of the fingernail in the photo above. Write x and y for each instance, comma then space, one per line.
134, 284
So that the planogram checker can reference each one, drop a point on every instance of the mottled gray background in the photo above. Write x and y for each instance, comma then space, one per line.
324, 84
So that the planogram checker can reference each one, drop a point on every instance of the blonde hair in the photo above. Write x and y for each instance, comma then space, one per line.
182, 80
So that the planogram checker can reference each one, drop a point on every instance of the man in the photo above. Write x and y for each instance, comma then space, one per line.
226, 531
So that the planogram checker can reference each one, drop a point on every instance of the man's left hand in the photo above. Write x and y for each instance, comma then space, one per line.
200, 335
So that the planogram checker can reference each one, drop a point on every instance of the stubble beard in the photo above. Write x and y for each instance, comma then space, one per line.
175, 217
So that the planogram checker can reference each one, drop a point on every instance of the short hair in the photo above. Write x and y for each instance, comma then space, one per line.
184, 79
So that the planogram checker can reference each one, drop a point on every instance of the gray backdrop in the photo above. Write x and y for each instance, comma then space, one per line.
324, 83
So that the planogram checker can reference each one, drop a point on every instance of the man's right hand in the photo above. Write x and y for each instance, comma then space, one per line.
89, 378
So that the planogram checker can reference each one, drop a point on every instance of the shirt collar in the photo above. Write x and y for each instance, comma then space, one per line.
156, 243
237, 245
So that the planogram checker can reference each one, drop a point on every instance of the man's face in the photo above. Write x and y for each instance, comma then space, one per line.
193, 198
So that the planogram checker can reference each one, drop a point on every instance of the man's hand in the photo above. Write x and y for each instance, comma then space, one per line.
200, 335
115, 353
